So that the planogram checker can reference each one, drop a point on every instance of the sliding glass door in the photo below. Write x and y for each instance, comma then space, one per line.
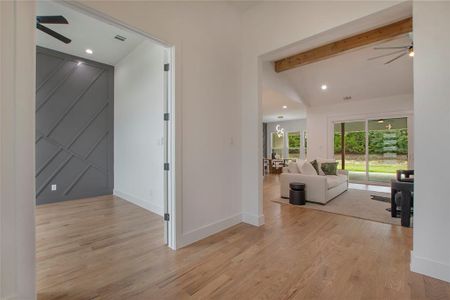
293, 145
372, 150
388, 148
350, 148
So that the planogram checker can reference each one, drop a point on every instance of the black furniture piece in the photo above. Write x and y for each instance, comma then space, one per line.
405, 186
297, 193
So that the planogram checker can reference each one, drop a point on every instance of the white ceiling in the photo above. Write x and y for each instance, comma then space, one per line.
272, 106
352, 74
80, 30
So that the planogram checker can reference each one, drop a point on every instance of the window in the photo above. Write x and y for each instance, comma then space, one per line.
294, 145
277, 145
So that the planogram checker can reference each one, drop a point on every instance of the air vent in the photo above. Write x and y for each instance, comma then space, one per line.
120, 38
347, 98
280, 117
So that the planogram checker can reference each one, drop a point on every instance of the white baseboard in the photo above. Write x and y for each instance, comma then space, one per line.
15, 298
430, 267
140, 202
207, 230
254, 220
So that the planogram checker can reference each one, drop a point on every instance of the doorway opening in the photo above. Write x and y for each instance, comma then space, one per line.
104, 142
338, 127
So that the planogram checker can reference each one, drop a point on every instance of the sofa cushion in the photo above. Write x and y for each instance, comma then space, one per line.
292, 167
308, 169
335, 180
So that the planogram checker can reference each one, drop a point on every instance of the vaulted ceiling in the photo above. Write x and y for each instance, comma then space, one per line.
350, 74
353, 75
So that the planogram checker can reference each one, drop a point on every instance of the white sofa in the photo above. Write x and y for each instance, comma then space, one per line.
318, 188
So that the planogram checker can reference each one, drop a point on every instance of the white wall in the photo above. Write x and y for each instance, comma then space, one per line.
289, 126
17, 160
206, 43
206, 40
138, 127
274, 25
431, 250
320, 118
210, 117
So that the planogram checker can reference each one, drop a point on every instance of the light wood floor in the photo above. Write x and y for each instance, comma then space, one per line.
106, 248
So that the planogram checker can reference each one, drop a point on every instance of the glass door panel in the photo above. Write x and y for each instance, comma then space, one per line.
294, 145
388, 148
350, 148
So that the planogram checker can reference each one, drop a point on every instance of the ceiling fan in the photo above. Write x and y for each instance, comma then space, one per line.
400, 50
52, 20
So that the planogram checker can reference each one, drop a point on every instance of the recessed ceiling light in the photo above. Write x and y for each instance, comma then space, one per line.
381, 121
89, 51
323, 87
79, 63
411, 51
284, 106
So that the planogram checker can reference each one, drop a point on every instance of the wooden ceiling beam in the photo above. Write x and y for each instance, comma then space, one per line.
335, 48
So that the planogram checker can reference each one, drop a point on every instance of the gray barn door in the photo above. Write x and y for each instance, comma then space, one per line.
74, 127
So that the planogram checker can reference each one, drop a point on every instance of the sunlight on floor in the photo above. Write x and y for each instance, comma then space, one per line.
367, 187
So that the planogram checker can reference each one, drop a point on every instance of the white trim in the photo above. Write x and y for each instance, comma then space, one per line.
210, 229
140, 202
430, 267
253, 219
15, 297
174, 205
80, 7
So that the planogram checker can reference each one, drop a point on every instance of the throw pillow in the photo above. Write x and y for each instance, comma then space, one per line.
308, 169
315, 165
300, 162
329, 168
292, 167
323, 160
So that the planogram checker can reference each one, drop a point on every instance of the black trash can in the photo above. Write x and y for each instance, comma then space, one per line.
297, 193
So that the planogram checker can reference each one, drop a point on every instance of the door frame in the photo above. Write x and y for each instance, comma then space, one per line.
170, 225
366, 118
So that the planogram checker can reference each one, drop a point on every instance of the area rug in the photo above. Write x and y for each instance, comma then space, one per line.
354, 203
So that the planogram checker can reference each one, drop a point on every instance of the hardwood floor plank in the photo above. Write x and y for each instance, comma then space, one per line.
108, 248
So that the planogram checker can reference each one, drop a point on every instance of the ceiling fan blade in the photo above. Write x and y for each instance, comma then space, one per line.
53, 33
52, 20
379, 56
388, 62
397, 47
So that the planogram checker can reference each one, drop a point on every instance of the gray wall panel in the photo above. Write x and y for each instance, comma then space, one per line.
74, 127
